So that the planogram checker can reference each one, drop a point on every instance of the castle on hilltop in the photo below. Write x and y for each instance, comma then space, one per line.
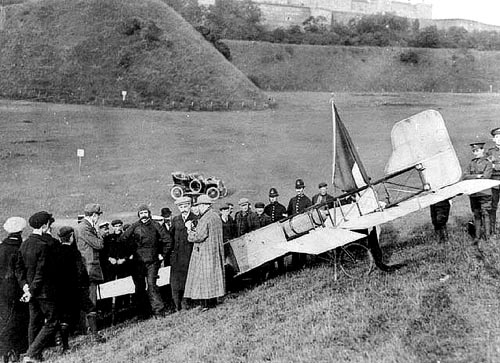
283, 13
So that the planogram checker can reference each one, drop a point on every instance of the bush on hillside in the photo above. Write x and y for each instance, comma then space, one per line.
409, 57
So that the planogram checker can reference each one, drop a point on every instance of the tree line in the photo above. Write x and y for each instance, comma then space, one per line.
242, 20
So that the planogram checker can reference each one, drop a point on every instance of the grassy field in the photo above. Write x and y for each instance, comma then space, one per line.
288, 67
443, 306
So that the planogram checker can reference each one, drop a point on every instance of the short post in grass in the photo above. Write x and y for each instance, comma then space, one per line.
80, 153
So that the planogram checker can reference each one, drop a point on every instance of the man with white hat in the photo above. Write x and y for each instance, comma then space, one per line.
206, 278
180, 252
13, 313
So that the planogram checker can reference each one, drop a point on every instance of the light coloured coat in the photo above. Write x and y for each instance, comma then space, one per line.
205, 279
89, 244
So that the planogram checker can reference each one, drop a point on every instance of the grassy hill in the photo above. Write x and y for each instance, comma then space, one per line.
366, 69
89, 51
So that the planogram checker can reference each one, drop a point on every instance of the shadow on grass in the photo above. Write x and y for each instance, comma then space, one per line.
439, 333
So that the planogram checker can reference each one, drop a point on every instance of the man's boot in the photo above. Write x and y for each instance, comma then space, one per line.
65, 337
478, 228
92, 322
487, 226
493, 223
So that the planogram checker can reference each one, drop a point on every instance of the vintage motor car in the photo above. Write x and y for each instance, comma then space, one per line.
195, 183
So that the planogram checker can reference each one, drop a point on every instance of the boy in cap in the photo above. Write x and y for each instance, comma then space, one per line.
36, 271
274, 209
493, 155
245, 219
480, 168
228, 226
74, 296
264, 219
13, 313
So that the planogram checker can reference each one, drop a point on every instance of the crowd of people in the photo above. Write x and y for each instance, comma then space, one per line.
50, 281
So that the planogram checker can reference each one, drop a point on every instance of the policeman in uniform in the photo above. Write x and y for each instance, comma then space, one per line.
493, 155
300, 202
277, 212
274, 209
297, 205
480, 168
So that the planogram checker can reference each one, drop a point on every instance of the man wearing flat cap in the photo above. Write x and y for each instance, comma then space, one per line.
323, 197
246, 220
206, 276
148, 241
480, 168
180, 252
493, 155
13, 313
90, 243
37, 274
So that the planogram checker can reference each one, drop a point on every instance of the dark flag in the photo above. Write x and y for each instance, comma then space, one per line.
348, 172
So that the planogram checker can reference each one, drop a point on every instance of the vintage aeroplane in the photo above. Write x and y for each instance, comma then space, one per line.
422, 170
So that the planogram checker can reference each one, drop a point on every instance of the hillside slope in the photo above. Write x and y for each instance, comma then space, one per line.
441, 307
366, 69
89, 51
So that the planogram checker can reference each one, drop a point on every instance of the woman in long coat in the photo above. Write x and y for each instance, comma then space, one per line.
205, 279
13, 313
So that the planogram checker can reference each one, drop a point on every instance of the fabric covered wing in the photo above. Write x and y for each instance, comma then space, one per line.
419, 202
321, 240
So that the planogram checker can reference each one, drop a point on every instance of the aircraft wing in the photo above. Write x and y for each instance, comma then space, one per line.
418, 202
321, 240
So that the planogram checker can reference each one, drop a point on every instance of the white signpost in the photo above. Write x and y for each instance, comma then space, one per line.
80, 153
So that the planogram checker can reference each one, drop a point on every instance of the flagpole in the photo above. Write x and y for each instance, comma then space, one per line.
334, 141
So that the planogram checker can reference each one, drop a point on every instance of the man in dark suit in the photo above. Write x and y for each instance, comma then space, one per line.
37, 276
323, 196
148, 241
180, 252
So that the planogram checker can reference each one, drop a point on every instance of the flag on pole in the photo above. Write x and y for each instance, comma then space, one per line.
348, 171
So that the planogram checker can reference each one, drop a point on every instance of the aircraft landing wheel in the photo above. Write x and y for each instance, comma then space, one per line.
213, 193
356, 260
176, 192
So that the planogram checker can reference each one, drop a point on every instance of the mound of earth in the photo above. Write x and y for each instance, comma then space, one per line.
90, 51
